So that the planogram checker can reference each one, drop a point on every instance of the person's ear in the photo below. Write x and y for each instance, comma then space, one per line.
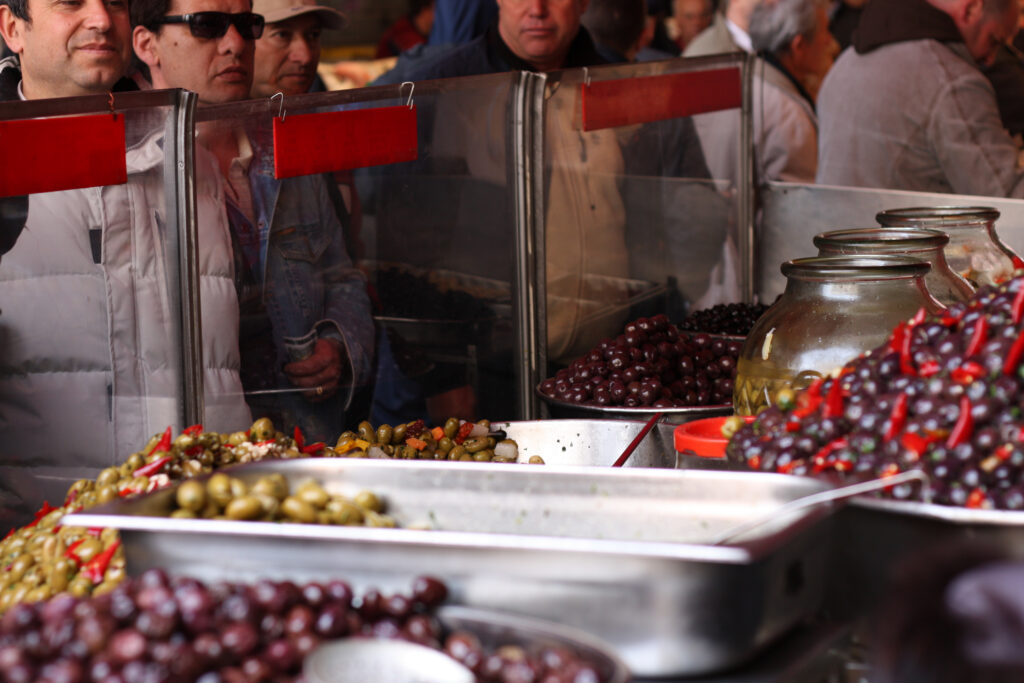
144, 44
972, 11
12, 29
797, 47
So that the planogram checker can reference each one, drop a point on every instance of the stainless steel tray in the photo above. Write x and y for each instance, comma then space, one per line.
564, 409
621, 554
591, 442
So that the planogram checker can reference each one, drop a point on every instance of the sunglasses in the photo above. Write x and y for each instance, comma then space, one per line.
215, 24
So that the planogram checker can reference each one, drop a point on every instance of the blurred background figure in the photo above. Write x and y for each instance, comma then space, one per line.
727, 32
412, 29
460, 21
844, 16
690, 17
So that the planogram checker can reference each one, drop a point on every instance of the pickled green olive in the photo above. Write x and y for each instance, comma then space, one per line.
262, 430
246, 507
219, 488
368, 500
274, 485
191, 495
312, 493
503, 458
484, 423
344, 512
236, 438
373, 519
475, 445
457, 452
384, 434
484, 455
365, 430
108, 476
238, 488
451, 427
398, 435
445, 444
106, 494
298, 509
536, 460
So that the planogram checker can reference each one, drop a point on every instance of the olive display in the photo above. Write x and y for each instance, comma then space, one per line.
156, 628
270, 500
945, 394
651, 364
456, 440
735, 319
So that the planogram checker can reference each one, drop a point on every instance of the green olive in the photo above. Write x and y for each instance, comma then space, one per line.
357, 453
108, 476
106, 494
192, 468
457, 452
270, 504
344, 440
731, 426
236, 438
345, 512
368, 500
474, 445
484, 455
261, 430
451, 427
374, 519
504, 459
366, 432
184, 441
238, 488
219, 488
104, 588
210, 440
60, 572
347, 435
389, 450
445, 445
484, 423
89, 548
80, 586
135, 461
17, 569
384, 433
298, 510
274, 485
206, 459
182, 513
398, 436
191, 495
536, 460
312, 493
245, 507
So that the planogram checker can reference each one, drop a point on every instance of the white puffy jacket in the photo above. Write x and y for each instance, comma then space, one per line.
88, 349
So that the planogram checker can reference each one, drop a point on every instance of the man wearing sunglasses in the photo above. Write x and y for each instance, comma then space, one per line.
305, 320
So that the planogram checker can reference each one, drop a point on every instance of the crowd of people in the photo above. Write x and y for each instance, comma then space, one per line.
922, 99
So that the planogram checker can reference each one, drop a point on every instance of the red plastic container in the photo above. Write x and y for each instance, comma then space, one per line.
702, 438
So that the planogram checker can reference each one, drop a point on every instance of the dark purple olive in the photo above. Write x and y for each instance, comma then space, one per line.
332, 622
299, 619
305, 643
126, 645
339, 591
422, 629
281, 656
239, 638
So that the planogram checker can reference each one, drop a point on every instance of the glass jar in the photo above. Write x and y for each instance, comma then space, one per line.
975, 251
833, 309
927, 245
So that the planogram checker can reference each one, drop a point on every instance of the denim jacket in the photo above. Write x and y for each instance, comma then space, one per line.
309, 282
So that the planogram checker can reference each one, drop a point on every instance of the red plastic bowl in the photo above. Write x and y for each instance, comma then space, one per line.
703, 437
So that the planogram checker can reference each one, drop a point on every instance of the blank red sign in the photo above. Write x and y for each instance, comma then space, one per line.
47, 155
629, 101
339, 140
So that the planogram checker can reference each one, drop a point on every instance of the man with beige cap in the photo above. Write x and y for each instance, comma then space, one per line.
288, 53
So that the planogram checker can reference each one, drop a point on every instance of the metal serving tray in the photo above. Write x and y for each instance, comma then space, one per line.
591, 442
874, 536
621, 554
564, 409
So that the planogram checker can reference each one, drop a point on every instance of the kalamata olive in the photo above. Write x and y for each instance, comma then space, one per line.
299, 619
371, 607
339, 591
209, 649
397, 606
331, 621
126, 645
429, 591
386, 629
305, 643
239, 638
281, 656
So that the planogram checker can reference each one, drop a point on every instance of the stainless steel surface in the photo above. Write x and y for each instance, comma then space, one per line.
836, 495
371, 659
792, 214
566, 410
495, 629
622, 554
591, 442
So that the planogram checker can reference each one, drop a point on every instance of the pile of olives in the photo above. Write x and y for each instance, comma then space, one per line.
456, 440
651, 364
735, 319
156, 628
269, 500
945, 395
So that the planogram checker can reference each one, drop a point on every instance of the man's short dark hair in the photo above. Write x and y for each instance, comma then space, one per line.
19, 8
615, 23
147, 13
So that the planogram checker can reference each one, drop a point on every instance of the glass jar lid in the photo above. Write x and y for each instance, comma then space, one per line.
881, 240
937, 216
856, 267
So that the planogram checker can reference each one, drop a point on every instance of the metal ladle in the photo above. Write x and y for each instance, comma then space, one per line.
841, 493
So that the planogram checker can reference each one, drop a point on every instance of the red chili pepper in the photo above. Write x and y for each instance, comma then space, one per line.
1017, 309
300, 440
97, 566
978, 336
897, 418
1013, 357
313, 448
193, 450
916, 443
906, 367
463, 433
918, 317
834, 400
125, 492
164, 444
70, 551
964, 425
1004, 451
754, 462
967, 373
896, 339
1018, 262
153, 467
820, 458
40, 513
929, 368
72, 495
808, 401
194, 430
976, 499
890, 470
415, 428
95, 531
792, 426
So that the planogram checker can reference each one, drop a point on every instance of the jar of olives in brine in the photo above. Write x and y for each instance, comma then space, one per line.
920, 243
833, 309
975, 251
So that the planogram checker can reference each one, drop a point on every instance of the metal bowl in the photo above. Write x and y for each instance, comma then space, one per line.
495, 629
565, 410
